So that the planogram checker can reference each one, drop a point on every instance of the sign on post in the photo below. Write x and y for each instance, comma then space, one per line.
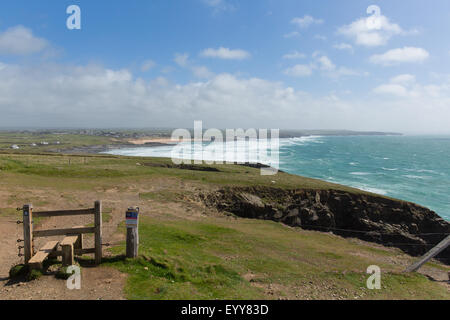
132, 217
132, 222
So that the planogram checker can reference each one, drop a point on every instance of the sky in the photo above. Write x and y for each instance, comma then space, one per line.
287, 64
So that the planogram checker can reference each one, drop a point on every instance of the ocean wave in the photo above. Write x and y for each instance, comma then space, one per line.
301, 141
373, 190
390, 169
360, 173
411, 176
421, 170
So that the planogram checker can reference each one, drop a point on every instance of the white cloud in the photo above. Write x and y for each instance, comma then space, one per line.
226, 53
343, 46
393, 89
306, 21
403, 85
291, 34
202, 72
404, 79
400, 55
371, 33
294, 55
299, 70
199, 71
330, 70
21, 41
92, 96
181, 59
324, 65
147, 65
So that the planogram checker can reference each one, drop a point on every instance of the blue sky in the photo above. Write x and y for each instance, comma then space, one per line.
279, 64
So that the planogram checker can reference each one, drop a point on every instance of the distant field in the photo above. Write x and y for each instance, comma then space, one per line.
66, 141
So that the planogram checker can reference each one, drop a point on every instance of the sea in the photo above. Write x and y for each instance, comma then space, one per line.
412, 168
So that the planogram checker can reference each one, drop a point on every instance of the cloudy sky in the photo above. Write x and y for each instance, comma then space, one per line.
264, 64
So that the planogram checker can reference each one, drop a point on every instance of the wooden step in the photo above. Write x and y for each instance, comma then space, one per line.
36, 262
69, 241
78, 244
68, 245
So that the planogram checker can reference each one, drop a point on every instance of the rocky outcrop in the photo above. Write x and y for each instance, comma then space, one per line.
410, 227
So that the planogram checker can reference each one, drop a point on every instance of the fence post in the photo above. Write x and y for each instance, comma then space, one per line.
132, 222
28, 231
98, 232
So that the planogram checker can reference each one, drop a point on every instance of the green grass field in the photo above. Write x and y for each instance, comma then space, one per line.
192, 252
66, 141
242, 259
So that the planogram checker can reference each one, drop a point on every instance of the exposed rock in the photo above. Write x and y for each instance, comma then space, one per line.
408, 226
183, 167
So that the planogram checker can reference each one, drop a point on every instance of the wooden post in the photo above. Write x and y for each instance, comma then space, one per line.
78, 245
28, 231
132, 222
67, 255
441, 246
98, 232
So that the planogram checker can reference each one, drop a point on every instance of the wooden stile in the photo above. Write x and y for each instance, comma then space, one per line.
64, 213
62, 232
80, 242
49, 249
71, 245
67, 255
28, 231
98, 232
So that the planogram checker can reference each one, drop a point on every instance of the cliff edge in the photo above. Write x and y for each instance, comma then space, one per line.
394, 223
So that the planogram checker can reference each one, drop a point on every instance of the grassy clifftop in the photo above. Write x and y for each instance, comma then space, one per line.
191, 251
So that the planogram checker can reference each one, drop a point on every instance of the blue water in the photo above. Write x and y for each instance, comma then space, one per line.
412, 168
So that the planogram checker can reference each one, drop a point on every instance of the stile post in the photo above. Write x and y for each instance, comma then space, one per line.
132, 222
28, 231
98, 232
441, 246
67, 255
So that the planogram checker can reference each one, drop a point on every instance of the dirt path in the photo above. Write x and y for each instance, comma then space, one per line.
9, 233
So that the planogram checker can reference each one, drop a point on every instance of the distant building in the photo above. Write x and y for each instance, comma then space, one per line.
44, 143
33, 144
15, 147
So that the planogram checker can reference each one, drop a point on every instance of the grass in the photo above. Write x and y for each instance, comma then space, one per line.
210, 260
186, 253
125, 169
23, 271
25, 140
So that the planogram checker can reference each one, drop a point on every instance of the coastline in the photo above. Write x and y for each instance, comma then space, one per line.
376, 177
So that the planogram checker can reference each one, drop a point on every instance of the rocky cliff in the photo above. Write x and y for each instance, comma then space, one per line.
410, 227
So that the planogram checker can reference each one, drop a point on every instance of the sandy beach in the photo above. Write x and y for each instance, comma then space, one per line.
148, 140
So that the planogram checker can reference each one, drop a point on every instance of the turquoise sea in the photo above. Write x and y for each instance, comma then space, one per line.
413, 168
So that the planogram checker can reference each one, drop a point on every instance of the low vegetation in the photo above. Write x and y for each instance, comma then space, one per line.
189, 251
